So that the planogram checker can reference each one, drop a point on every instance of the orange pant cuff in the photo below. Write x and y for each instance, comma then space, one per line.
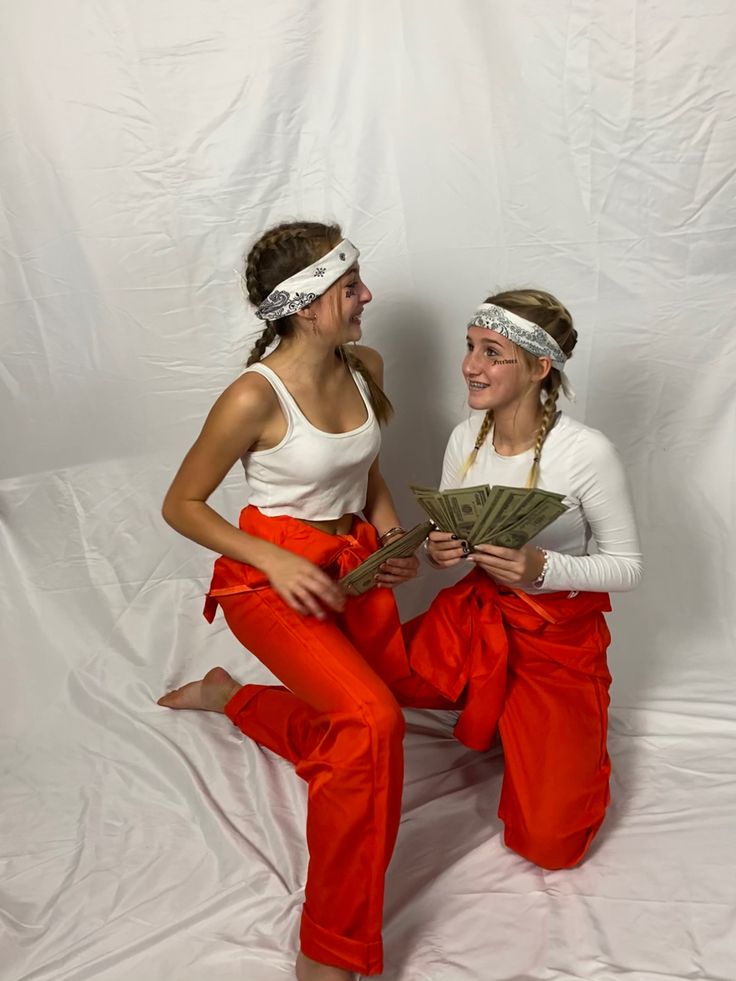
331, 948
239, 700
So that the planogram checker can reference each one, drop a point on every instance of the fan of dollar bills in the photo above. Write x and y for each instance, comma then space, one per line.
505, 516
360, 580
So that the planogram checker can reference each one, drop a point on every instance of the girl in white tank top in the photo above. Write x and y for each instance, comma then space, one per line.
312, 474
305, 423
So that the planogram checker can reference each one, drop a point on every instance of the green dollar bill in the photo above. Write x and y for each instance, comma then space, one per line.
501, 515
498, 513
529, 525
465, 505
512, 504
431, 502
360, 580
455, 510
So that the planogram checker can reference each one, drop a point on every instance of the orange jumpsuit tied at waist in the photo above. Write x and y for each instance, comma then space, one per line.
373, 615
531, 668
336, 719
534, 669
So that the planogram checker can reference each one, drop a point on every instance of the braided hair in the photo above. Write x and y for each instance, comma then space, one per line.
280, 253
548, 313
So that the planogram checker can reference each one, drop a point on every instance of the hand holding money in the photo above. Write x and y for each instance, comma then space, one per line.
505, 516
511, 567
445, 550
396, 570
363, 578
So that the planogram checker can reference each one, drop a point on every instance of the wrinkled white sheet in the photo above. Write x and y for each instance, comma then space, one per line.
584, 147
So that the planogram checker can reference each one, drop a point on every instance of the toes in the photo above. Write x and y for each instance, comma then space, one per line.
169, 698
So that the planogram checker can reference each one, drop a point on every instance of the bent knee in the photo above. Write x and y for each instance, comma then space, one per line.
385, 718
551, 851
367, 731
360, 722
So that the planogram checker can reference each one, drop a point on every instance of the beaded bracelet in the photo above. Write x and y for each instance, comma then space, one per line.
391, 533
539, 581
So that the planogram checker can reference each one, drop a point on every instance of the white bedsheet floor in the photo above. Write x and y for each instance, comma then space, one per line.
164, 845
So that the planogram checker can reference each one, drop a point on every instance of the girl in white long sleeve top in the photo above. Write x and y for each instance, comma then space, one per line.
520, 643
582, 464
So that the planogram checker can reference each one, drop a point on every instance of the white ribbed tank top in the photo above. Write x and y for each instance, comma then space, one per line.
311, 474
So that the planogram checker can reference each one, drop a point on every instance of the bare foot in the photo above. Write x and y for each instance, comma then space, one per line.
309, 970
211, 694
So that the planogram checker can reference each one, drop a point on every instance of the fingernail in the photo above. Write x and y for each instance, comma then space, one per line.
454, 538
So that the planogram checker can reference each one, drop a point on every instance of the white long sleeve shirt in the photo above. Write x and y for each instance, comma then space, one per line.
582, 464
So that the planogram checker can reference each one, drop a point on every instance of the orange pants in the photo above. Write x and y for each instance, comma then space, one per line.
534, 670
338, 719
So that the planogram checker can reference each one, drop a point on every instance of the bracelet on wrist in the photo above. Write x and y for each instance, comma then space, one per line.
425, 546
391, 533
539, 581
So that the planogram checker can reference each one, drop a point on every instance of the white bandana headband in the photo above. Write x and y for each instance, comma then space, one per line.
304, 287
526, 334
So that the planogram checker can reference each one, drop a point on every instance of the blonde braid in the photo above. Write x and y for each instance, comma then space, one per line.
549, 411
485, 428
550, 314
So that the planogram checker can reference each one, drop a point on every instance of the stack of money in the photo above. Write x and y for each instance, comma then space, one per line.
360, 580
505, 516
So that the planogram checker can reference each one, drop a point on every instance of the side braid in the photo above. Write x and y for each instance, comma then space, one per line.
281, 238
549, 411
255, 291
275, 256
544, 309
485, 428
267, 338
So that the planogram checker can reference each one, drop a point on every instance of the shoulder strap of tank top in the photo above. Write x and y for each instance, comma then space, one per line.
282, 392
364, 390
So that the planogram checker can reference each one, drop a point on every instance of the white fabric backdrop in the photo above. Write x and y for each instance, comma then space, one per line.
585, 147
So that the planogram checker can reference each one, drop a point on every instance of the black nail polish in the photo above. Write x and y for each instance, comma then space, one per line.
454, 538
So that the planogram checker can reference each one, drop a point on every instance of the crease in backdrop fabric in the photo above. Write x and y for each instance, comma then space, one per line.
584, 147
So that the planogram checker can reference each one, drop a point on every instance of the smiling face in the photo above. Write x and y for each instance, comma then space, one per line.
339, 310
495, 370
498, 373
354, 295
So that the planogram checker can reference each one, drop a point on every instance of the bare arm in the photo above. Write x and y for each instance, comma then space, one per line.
379, 506
234, 424
237, 421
